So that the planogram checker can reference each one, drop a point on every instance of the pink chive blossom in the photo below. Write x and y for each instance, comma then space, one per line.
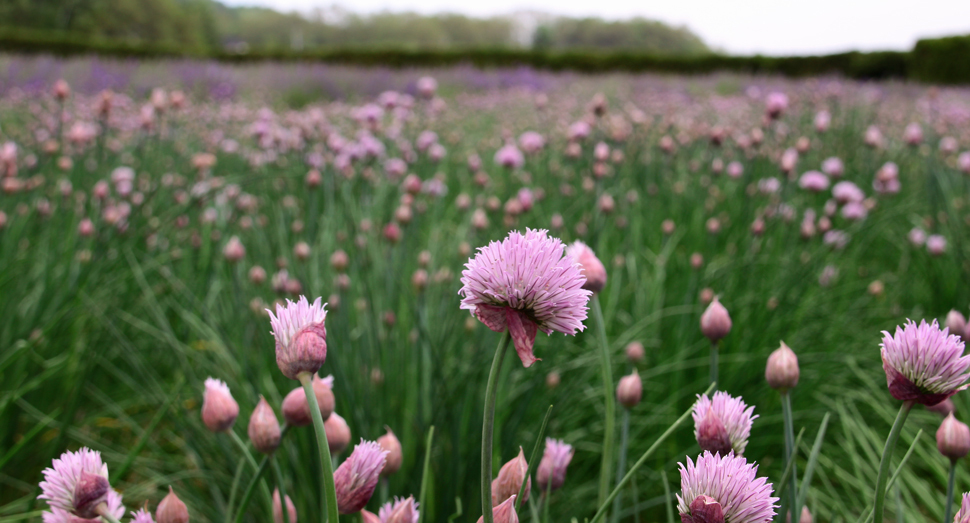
114, 506
775, 104
579, 131
301, 336
963, 162
401, 510
963, 516
531, 142
935, 244
913, 134
846, 191
822, 121
551, 473
917, 237
923, 363
722, 423
357, 476
833, 167
509, 156
854, 211
814, 181
142, 516
731, 482
77, 483
735, 169
525, 284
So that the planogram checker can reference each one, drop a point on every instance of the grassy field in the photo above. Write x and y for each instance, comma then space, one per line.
106, 339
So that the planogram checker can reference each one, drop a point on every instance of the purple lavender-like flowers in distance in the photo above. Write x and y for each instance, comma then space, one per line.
525, 284
923, 363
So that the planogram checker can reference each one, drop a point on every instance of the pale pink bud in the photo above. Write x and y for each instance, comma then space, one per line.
257, 275
278, 508
338, 433
339, 260
90, 491
61, 89
369, 517
171, 509
953, 438
264, 429
85, 227
504, 513
390, 443
392, 232
782, 369
591, 266
219, 409
356, 478
715, 322
510, 478
630, 390
400, 511
635, 352
234, 250
301, 250
956, 323
296, 409
712, 435
313, 178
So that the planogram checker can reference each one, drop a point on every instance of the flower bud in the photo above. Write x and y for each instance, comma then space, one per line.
630, 390
234, 250
704, 509
90, 491
509, 480
635, 352
278, 508
301, 336
338, 433
943, 408
806, 516
956, 323
953, 438
390, 443
171, 509
356, 478
504, 513
551, 473
715, 322
782, 369
339, 260
296, 409
219, 409
264, 429
369, 517
591, 266
401, 511
712, 435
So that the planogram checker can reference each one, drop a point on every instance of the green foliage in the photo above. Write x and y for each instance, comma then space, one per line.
942, 60
638, 34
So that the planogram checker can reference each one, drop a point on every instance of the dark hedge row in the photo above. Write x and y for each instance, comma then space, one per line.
944, 60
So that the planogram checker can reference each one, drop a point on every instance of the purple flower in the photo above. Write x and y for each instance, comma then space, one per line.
509, 156
814, 181
525, 284
923, 363
846, 191
551, 473
357, 476
936, 244
301, 337
963, 516
142, 516
115, 508
400, 511
722, 424
730, 482
77, 483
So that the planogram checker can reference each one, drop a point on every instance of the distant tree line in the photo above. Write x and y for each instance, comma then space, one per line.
208, 25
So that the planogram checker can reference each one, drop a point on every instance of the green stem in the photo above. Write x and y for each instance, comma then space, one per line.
234, 489
948, 517
424, 475
790, 455
532, 459
106, 514
601, 512
610, 401
887, 454
546, 503
488, 424
267, 496
279, 485
248, 494
714, 355
621, 466
329, 491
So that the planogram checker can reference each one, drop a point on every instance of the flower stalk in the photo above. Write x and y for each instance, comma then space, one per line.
326, 462
488, 425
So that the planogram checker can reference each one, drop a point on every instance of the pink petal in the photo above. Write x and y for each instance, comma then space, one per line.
493, 317
523, 331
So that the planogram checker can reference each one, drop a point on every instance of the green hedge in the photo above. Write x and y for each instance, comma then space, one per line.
944, 60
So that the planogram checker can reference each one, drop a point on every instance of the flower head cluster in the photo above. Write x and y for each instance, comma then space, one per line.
722, 424
401, 510
551, 473
731, 482
356, 478
525, 284
923, 363
963, 516
76, 484
301, 336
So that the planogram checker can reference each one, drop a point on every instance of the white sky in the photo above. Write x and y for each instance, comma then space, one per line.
736, 26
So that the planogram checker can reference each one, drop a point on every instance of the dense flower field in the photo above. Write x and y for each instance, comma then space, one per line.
223, 295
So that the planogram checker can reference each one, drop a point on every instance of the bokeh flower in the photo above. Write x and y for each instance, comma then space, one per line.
551, 473
923, 363
76, 483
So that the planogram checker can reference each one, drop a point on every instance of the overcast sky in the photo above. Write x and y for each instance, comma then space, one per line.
737, 26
